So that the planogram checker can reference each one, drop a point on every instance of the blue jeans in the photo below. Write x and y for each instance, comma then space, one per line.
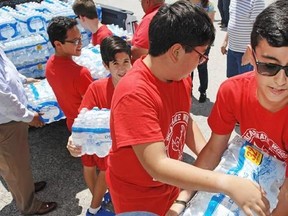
203, 74
223, 6
234, 64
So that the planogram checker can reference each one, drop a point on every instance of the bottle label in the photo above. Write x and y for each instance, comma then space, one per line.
253, 155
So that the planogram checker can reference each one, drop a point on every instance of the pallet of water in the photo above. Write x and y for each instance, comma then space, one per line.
29, 54
41, 99
247, 161
91, 131
9, 27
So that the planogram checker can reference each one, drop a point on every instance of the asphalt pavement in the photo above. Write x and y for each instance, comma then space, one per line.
51, 161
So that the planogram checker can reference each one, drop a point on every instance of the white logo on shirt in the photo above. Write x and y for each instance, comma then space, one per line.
176, 135
268, 145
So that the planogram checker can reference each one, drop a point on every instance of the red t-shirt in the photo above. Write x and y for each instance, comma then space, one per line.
99, 94
101, 34
69, 82
237, 102
145, 109
141, 36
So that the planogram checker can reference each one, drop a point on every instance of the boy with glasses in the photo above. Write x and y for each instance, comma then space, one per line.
258, 100
68, 80
151, 122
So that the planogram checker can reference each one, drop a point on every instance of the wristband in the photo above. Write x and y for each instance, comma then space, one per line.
181, 202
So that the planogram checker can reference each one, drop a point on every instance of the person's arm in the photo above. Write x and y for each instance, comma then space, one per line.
213, 150
196, 142
13, 109
186, 195
74, 150
224, 45
137, 52
248, 195
211, 15
194, 137
27, 80
178, 207
281, 208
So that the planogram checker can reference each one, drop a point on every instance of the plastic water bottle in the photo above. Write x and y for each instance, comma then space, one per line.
246, 161
99, 12
91, 58
91, 131
42, 99
9, 28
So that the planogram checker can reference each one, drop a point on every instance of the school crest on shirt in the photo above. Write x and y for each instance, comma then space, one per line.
262, 141
176, 135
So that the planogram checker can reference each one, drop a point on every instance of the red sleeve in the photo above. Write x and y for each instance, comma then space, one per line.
222, 117
141, 36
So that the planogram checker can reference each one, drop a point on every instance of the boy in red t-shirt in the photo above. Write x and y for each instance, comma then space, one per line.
88, 18
257, 100
68, 80
116, 56
151, 122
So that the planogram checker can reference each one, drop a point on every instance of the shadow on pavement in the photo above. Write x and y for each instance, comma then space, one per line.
202, 109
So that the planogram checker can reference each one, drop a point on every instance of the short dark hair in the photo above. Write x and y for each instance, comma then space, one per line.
271, 24
85, 8
58, 27
180, 22
112, 45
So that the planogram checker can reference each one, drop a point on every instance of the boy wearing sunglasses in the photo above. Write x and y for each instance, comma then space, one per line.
258, 100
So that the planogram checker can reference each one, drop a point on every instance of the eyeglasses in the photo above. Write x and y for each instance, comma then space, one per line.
77, 17
202, 59
76, 41
269, 69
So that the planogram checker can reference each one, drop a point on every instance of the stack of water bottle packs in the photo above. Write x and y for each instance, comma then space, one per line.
244, 160
91, 130
91, 58
23, 34
30, 59
42, 99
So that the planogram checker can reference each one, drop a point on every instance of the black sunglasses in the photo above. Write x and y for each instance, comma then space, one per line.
269, 69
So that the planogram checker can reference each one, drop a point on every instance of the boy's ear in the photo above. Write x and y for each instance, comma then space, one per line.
250, 55
175, 52
57, 44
